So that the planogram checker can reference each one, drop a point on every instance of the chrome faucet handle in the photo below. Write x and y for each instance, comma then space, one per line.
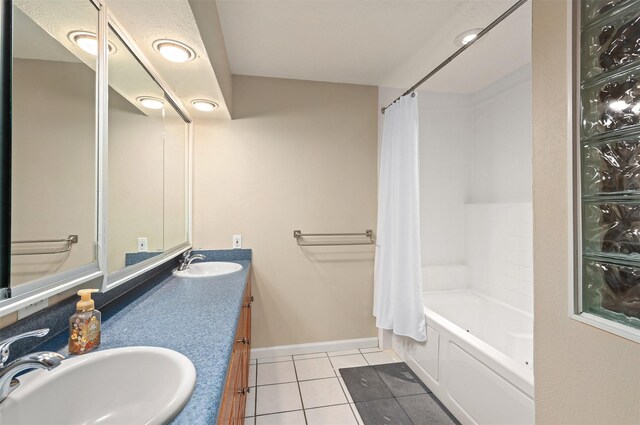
187, 253
42, 360
4, 345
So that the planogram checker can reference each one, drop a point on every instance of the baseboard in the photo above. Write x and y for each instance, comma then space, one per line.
314, 347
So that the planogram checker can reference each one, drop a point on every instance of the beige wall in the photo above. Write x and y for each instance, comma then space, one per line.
175, 175
135, 179
299, 155
583, 375
54, 165
147, 153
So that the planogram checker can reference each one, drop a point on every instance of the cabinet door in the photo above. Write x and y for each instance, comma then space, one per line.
235, 394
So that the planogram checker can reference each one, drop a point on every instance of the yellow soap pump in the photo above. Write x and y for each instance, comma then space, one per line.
84, 326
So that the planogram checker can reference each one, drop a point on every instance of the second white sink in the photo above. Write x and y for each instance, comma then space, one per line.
209, 269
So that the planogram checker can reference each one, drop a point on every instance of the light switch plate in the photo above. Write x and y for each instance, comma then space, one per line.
237, 241
142, 245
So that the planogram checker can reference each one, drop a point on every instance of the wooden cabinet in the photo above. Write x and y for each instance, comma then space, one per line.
236, 389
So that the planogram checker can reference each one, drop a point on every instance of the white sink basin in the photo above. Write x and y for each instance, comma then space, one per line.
133, 385
209, 269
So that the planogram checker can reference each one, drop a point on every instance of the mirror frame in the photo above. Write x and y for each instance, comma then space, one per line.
116, 278
40, 289
6, 37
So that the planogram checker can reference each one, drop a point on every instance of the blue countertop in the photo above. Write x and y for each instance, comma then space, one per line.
196, 317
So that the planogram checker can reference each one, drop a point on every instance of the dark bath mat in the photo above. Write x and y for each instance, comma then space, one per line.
364, 384
425, 409
400, 379
391, 394
382, 412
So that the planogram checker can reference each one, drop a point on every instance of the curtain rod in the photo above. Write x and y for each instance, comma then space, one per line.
459, 51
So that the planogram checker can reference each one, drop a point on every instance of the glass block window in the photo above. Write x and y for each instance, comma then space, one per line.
609, 158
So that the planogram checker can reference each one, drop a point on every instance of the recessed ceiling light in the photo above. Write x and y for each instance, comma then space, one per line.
174, 51
204, 105
467, 36
151, 102
88, 42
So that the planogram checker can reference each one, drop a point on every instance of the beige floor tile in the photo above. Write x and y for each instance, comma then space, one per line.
250, 407
252, 375
309, 356
275, 373
370, 350
343, 353
288, 418
340, 362
278, 398
382, 357
322, 392
332, 415
314, 369
275, 359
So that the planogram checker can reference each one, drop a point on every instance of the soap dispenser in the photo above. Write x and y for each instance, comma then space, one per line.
84, 326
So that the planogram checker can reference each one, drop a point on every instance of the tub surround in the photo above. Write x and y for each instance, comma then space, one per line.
477, 359
196, 317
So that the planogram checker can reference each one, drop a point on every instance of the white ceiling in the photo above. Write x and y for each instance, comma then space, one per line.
378, 42
391, 43
504, 49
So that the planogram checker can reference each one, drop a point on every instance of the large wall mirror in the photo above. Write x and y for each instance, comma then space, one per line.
64, 231
147, 164
54, 167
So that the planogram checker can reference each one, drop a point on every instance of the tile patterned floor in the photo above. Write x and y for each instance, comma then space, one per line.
353, 387
307, 389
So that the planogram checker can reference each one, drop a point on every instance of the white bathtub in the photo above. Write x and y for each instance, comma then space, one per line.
478, 359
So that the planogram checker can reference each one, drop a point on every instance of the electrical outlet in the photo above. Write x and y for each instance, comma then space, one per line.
142, 245
237, 241
32, 308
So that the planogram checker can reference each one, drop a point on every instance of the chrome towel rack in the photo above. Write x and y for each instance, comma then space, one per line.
367, 234
69, 241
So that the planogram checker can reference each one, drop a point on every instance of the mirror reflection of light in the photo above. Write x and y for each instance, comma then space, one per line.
467, 37
88, 42
618, 105
151, 102
204, 105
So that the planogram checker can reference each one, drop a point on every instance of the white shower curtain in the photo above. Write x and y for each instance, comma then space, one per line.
398, 269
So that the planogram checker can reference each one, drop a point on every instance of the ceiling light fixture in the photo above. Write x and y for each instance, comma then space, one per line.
151, 102
467, 36
88, 42
174, 51
204, 105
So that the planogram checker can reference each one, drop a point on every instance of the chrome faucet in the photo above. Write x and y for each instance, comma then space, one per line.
41, 360
187, 259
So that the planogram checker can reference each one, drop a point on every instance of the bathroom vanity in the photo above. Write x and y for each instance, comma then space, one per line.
207, 319
236, 389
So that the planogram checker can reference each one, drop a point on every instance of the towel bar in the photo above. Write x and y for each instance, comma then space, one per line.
368, 234
70, 240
